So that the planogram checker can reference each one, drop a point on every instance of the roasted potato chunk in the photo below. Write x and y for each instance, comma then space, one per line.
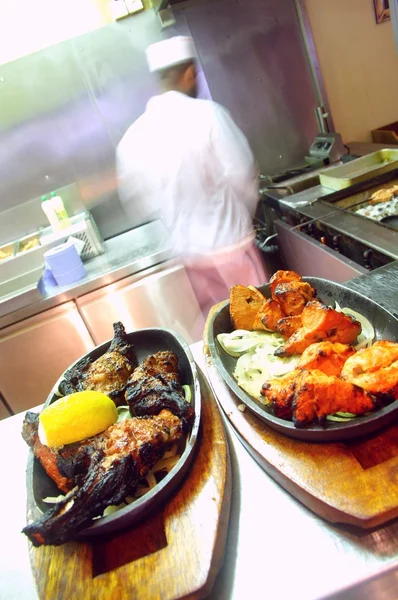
245, 302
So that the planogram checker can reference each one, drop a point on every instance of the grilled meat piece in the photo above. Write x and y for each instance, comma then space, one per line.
279, 393
374, 369
121, 456
317, 395
319, 323
155, 385
108, 374
327, 357
269, 315
292, 296
288, 325
282, 277
384, 194
47, 456
65, 465
309, 396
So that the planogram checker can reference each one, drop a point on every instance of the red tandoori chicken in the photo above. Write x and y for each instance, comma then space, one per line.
375, 369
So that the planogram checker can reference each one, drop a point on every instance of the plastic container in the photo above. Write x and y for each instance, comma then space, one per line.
60, 210
360, 169
65, 263
55, 211
48, 207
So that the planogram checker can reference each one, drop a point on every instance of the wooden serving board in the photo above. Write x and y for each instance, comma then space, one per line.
353, 482
175, 553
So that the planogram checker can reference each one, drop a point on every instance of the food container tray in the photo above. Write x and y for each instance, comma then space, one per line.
7, 251
360, 169
385, 326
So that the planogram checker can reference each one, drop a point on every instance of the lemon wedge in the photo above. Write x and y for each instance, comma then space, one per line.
76, 417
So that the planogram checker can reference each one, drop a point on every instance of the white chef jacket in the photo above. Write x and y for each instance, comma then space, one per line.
185, 161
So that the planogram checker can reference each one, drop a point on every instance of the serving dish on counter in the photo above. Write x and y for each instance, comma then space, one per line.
145, 342
360, 169
139, 545
344, 473
385, 326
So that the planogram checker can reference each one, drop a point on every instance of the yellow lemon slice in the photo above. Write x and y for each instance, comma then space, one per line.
76, 417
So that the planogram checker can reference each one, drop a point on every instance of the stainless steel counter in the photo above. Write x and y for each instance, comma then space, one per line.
276, 548
126, 254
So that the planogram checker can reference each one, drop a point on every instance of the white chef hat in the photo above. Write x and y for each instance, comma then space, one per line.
170, 52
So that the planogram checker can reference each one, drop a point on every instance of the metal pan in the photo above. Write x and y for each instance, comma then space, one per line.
329, 292
145, 341
391, 221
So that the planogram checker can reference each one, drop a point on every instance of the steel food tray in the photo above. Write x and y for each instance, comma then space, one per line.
360, 169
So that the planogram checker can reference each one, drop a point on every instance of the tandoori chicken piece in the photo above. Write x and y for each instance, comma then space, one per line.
319, 323
269, 315
375, 369
108, 374
317, 395
288, 325
279, 394
328, 357
120, 457
244, 304
155, 385
282, 277
292, 296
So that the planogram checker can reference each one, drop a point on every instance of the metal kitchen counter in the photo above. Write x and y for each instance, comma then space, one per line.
127, 254
276, 548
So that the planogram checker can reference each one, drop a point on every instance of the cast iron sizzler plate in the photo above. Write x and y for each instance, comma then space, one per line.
146, 342
385, 326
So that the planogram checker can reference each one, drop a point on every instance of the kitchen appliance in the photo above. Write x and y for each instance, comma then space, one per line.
322, 236
325, 149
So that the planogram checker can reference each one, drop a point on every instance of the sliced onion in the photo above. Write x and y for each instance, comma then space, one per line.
367, 332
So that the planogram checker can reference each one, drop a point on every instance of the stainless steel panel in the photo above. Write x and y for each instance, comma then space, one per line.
64, 109
311, 258
55, 139
253, 57
164, 299
35, 352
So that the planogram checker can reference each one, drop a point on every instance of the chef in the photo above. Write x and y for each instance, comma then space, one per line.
186, 161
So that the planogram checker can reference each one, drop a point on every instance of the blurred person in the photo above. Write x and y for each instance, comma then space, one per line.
186, 162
